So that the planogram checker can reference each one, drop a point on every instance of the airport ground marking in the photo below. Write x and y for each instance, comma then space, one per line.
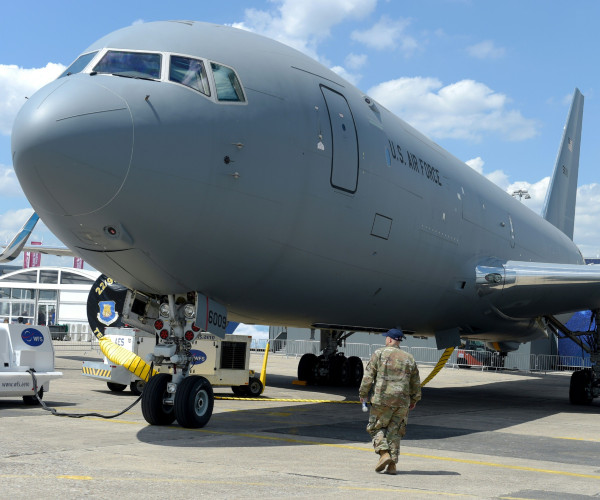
591, 440
363, 448
289, 400
375, 489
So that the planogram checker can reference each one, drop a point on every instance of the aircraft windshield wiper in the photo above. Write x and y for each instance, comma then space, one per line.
135, 76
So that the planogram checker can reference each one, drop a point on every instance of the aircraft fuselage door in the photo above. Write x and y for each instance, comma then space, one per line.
344, 159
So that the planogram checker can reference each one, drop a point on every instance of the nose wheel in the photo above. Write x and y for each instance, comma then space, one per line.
155, 408
194, 402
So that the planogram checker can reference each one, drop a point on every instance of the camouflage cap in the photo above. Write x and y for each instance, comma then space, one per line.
394, 333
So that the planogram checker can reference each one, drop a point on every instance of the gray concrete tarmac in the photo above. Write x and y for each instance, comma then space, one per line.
475, 435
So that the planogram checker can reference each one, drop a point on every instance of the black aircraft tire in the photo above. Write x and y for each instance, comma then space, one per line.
154, 410
194, 402
339, 371
580, 381
306, 368
115, 387
356, 371
137, 387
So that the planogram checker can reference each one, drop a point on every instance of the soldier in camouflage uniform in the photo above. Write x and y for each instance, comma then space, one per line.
393, 376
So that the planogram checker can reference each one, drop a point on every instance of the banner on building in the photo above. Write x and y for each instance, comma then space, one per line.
32, 259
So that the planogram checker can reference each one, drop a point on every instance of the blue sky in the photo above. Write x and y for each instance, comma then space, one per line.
489, 81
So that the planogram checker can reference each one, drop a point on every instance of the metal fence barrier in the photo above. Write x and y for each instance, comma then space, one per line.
76, 345
482, 360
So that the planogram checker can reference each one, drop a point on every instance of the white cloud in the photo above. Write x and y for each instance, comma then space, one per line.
351, 77
476, 164
486, 50
303, 24
463, 110
387, 34
17, 83
537, 191
355, 61
9, 185
498, 177
587, 215
11, 222
587, 210
256, 331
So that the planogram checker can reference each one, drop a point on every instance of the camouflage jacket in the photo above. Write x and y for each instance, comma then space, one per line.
394, 377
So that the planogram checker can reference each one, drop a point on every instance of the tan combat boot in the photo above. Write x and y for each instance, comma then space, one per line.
384, 459
391, 468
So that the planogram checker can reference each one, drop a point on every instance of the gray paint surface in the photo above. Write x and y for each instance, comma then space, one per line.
260, 205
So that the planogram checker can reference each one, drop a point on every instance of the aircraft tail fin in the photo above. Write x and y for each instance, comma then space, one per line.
15, 247
559, 208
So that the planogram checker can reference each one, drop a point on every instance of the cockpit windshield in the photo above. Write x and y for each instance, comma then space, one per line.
189, 72
80, 63
130, 64
228, 85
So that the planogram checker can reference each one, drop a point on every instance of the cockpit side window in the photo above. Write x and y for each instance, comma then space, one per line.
80, 63
227, 83
130, 64
189, 72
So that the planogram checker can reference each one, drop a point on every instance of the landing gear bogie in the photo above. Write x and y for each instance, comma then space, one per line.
336, 370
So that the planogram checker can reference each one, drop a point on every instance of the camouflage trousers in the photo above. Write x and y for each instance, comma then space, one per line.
387, 426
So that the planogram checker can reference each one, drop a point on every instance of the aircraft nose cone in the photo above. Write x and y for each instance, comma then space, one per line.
72, 145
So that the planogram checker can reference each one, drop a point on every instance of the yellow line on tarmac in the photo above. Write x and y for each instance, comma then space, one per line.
503, 466
369, 449
389, 489
579, 439
290, 400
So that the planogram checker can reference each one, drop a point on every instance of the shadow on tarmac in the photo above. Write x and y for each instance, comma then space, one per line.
465, 418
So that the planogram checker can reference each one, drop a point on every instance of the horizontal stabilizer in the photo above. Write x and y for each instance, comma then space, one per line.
16, 246
559, 208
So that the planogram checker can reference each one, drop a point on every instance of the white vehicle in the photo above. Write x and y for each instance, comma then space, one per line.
22, 348
223, 362
118, 377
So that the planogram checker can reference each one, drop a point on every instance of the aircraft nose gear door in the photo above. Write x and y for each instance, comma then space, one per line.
344, 161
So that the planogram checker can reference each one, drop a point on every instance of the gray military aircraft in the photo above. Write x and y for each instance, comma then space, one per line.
209, 166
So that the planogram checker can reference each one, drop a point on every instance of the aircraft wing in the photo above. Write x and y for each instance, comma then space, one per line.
17, 245
517, 289
60, 251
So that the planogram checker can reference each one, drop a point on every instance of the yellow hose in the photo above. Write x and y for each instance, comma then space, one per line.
121, 356
440, 364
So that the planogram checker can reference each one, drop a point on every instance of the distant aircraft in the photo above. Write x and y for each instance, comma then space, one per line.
209, 166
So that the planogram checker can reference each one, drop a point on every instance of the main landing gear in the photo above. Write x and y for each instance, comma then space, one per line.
585, 384
331, 367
